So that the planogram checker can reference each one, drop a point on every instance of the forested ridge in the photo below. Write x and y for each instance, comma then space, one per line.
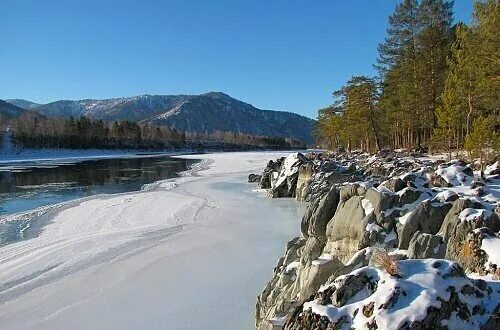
438, 85
35, 131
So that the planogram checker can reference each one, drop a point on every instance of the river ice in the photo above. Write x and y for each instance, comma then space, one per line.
187, 253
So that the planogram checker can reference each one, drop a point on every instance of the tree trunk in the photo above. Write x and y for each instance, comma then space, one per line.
375, 134
469, 115
449, 148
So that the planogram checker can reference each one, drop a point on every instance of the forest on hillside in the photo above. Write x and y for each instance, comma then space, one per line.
34, 131
438, 85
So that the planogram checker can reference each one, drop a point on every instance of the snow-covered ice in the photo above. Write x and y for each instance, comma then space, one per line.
186, 253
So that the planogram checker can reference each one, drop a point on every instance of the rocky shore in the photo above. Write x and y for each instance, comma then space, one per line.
388, 241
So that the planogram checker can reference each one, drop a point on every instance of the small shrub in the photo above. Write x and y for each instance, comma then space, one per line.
471, 257
467, 254
383, 260
496, 274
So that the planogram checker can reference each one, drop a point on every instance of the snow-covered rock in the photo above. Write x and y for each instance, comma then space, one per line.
430, 293
413, 207
281, 177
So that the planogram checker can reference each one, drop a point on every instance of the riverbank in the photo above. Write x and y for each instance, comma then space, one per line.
396, 240
9, 153
184, 253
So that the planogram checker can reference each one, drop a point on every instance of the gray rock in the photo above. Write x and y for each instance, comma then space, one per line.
493, 322
346, 230
456, 231
476, 183
312, 250
424, 245
409, 196
380, 201
351, 169
426, 218
328, 167
348, 191
254, 178
438, 181
451, 221
319, 214
287, 188
395, 185
305, 176
348, 287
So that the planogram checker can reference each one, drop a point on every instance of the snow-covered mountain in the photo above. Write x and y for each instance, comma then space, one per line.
195, 113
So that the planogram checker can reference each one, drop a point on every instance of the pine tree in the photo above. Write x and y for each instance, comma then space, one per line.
354, 118
449, 118
433, 41
397, 65
362, 108
412, 66
463, 69
480, 139
486, 44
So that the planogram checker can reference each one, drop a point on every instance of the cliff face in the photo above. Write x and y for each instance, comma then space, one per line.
397, 206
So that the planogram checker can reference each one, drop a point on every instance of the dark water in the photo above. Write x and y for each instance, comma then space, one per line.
25, 186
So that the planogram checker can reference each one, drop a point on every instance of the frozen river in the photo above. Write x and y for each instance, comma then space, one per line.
31, 184
186, 253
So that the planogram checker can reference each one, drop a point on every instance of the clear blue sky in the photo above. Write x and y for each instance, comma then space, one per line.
275, 54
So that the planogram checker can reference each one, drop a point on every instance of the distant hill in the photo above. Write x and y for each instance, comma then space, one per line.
194, 113
8, 110
23, 103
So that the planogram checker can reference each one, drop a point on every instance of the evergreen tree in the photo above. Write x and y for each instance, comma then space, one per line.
412, 66
433, 41
398, 69
448, 120
354, 118
486, 44
480, 140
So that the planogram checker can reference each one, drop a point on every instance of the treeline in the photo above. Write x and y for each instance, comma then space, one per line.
33, 131
234, 138
438, 84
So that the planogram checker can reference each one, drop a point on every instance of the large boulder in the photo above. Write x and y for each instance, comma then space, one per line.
277, 296
346, 230
319, 214
305, 176
456, 227
452, 219
381, 201
423, 245
267, 173
408, 196
254, 178
395, 184
284, 182
426, 218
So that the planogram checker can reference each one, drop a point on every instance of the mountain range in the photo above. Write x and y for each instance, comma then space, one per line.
202, 113
9, 110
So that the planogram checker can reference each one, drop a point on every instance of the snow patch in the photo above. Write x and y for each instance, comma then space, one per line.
367, 206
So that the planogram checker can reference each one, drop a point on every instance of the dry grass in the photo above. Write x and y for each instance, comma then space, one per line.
468, 255
496, 274
383, 260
